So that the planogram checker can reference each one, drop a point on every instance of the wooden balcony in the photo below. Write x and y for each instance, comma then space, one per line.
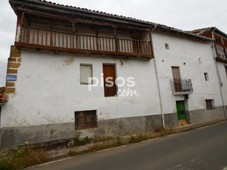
77, 43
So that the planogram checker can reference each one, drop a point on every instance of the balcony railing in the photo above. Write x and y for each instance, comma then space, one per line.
61, 41
181, 86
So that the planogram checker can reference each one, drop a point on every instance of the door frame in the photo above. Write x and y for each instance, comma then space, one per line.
115, 72
186, 120
176, 81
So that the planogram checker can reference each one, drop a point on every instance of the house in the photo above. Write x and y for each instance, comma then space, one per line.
188, 79
220, 50
75, 72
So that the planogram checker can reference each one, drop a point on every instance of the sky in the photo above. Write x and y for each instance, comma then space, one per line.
181, 14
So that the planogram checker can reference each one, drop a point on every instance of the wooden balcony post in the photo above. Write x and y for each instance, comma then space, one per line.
97, 39
51, 35
20, 20
151, 44
75, 32
116, 40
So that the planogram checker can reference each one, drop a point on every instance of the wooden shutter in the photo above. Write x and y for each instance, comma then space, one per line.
109, 71
85, 119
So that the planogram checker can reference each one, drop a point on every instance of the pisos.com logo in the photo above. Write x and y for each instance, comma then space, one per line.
125, 86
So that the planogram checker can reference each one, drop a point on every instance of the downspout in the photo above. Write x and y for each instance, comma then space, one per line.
218, 74
156, 74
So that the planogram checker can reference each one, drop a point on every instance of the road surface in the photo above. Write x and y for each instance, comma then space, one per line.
204, 148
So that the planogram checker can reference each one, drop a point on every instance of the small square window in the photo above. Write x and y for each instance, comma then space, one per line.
209, 104
167, 46
206, 76
85, 74
85, 120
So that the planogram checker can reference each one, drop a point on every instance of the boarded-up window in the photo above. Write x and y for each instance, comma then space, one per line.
85, 119
209, 104
109, 76
85, 74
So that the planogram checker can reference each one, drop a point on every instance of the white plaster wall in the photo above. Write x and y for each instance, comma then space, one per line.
223, 76
48, 90
194, 58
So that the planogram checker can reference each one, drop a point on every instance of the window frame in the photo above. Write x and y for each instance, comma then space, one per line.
87, 114
209, 104
225, 67
167, 46
220, 52
206, 76
86, 65
115, 85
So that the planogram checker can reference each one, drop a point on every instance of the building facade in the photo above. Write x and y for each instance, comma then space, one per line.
220, 51
79, 73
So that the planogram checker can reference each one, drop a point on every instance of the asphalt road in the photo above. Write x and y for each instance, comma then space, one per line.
204, 148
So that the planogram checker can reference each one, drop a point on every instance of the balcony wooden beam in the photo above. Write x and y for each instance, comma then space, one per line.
83, 21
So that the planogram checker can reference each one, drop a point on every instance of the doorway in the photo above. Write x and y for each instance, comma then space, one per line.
176, 79
109, 76
181, 112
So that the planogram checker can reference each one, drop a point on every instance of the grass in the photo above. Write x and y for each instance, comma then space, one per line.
81, 142
23, 157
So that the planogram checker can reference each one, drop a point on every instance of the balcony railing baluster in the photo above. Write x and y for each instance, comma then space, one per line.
57, 40
181, 86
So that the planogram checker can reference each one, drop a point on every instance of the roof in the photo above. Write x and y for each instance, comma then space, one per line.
215, 29
51, 6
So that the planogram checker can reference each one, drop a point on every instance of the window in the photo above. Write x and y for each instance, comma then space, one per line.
85, 73
226, 70
206, 76
109, 76
220, 52
209, 104
85, 120
167, 46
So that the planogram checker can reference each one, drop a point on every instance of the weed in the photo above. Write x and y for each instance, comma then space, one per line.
80, 142
23, 157
6, 164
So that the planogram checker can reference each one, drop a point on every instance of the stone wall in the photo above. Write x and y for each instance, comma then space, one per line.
14, 62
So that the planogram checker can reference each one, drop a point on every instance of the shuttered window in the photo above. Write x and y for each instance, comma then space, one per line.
85, 73
85, 120
109, 76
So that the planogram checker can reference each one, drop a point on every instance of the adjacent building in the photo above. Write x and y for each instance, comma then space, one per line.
220, 52
74, 72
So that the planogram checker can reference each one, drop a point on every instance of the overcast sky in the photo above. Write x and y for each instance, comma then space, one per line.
182, 14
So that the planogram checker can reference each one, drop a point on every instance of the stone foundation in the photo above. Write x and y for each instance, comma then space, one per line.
106, 128
200, 116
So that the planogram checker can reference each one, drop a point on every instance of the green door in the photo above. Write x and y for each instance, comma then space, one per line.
181, 110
